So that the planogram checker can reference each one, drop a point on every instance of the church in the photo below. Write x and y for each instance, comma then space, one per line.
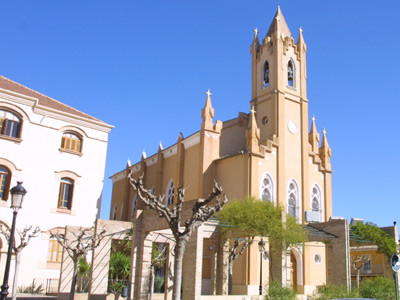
273, 153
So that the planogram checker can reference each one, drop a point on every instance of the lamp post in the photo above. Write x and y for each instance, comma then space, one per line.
261, 249
17, 195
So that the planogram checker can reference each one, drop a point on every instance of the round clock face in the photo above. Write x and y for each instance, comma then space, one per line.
292, 126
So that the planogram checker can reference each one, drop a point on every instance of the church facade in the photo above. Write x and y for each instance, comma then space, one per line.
273, 153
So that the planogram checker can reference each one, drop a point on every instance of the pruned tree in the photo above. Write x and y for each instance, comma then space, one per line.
250, 217
236, 249
24, 237
357, 262
77, 245
202, 210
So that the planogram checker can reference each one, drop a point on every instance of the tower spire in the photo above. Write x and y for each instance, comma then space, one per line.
207, 113
279, 25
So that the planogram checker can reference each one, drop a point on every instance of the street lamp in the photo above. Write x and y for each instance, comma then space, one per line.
261, 245
17, 195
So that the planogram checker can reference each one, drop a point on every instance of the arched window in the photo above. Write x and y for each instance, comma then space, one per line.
265, 82
169, 195
71, 141
5, 176
316, 203
266, 193
10, 124
293, 199
65, 195
291, 73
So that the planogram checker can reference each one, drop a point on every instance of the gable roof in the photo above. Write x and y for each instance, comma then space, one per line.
44, 100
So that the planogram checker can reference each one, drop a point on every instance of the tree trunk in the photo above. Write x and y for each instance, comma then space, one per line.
230, 277
178, 251
358, 278
15, 280
74, 277
151, 287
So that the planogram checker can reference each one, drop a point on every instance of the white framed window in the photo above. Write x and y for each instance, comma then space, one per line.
367, 266
293, 199
169, 194
10, 124
316, 202
266, 188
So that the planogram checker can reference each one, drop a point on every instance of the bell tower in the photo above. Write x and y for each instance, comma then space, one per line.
279, 99
278, 76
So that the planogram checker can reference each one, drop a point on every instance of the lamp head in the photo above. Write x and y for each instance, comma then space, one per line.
17, 195
261, 245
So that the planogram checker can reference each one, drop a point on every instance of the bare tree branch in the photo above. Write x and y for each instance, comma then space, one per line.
202, 210
245, 243
24, 236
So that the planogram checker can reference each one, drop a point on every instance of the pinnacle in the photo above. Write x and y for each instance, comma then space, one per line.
300, 39
324, 143
208, 100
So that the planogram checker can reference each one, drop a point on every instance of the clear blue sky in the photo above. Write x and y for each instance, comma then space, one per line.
143, 66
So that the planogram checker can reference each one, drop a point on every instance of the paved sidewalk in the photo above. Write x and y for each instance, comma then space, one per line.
24, 296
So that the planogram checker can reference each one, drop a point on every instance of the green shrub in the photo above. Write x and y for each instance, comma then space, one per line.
331, 291
277, 292
378, 288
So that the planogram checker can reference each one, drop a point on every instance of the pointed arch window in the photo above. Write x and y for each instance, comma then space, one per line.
265, 82
290, 73
169, 195
316, 200
5, 176
10, 124
266, 188
293, 199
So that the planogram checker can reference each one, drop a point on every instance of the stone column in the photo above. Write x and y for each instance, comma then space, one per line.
213, 268
169, 273
137, 245
144, 283
222, 280
192, 266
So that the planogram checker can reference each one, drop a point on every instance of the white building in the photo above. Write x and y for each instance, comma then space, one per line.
59, 153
